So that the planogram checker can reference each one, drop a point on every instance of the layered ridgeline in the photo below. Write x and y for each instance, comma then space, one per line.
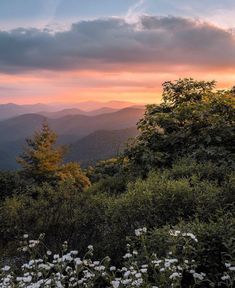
54, 110
104, 134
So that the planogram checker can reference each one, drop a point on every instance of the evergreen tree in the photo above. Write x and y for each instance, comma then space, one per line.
41, 159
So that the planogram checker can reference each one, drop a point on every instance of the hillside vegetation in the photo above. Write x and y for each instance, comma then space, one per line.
162, 210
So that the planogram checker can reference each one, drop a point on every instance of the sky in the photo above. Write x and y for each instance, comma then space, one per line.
78, 50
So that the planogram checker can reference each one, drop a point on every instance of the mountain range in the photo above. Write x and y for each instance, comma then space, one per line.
91, 136
91, 108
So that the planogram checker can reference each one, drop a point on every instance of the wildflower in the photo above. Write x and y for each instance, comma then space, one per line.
192, 271
140, 231
6, 268
78, 261
74, 252
175, 275
127, 255
137, 232
174, 233
135, 252
126, 274
225, 277
198, 276
232, 268
126, 281
100, 268
27, 279
115, 283
96, 263
112, 268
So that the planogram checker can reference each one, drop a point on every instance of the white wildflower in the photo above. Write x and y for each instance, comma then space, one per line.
175, 275
225, 277
6, 268
115, 283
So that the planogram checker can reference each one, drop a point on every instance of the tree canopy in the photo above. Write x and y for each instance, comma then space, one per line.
194, 119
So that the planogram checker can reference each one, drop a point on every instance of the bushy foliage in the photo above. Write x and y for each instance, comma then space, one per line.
215, 244
107, 168
187, 191
110, 176
44, 208
11, 183
194, 119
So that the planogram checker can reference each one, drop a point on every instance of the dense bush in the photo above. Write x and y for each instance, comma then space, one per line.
11, 183
194, 120
102, 216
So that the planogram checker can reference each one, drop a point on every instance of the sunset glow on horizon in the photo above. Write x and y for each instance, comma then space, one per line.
122, 52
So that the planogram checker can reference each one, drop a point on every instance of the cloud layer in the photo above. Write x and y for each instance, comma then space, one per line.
152, 44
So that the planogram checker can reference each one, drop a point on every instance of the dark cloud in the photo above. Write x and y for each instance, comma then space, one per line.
113, 43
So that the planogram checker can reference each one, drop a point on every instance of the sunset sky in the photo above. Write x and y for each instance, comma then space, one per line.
79, 50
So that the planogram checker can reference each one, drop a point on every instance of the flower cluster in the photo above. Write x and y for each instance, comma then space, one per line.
67, 269
176, 233
140, 231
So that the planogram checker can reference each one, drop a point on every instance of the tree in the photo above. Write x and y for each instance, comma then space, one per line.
193, 120
41, 158
72, 172
42, 161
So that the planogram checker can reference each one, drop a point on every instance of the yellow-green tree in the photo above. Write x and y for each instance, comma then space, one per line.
42, 160
72, 172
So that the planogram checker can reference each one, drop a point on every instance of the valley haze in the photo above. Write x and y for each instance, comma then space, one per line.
90, 135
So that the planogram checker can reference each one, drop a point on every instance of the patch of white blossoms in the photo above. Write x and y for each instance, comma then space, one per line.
69, 270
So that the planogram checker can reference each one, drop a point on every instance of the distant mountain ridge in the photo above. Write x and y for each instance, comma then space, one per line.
75, 111
12, 110
95, 105
118, 127
80, 125
91, 108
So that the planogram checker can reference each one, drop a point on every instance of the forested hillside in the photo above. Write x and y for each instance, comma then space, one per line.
162, 210
71, 129
100, 145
